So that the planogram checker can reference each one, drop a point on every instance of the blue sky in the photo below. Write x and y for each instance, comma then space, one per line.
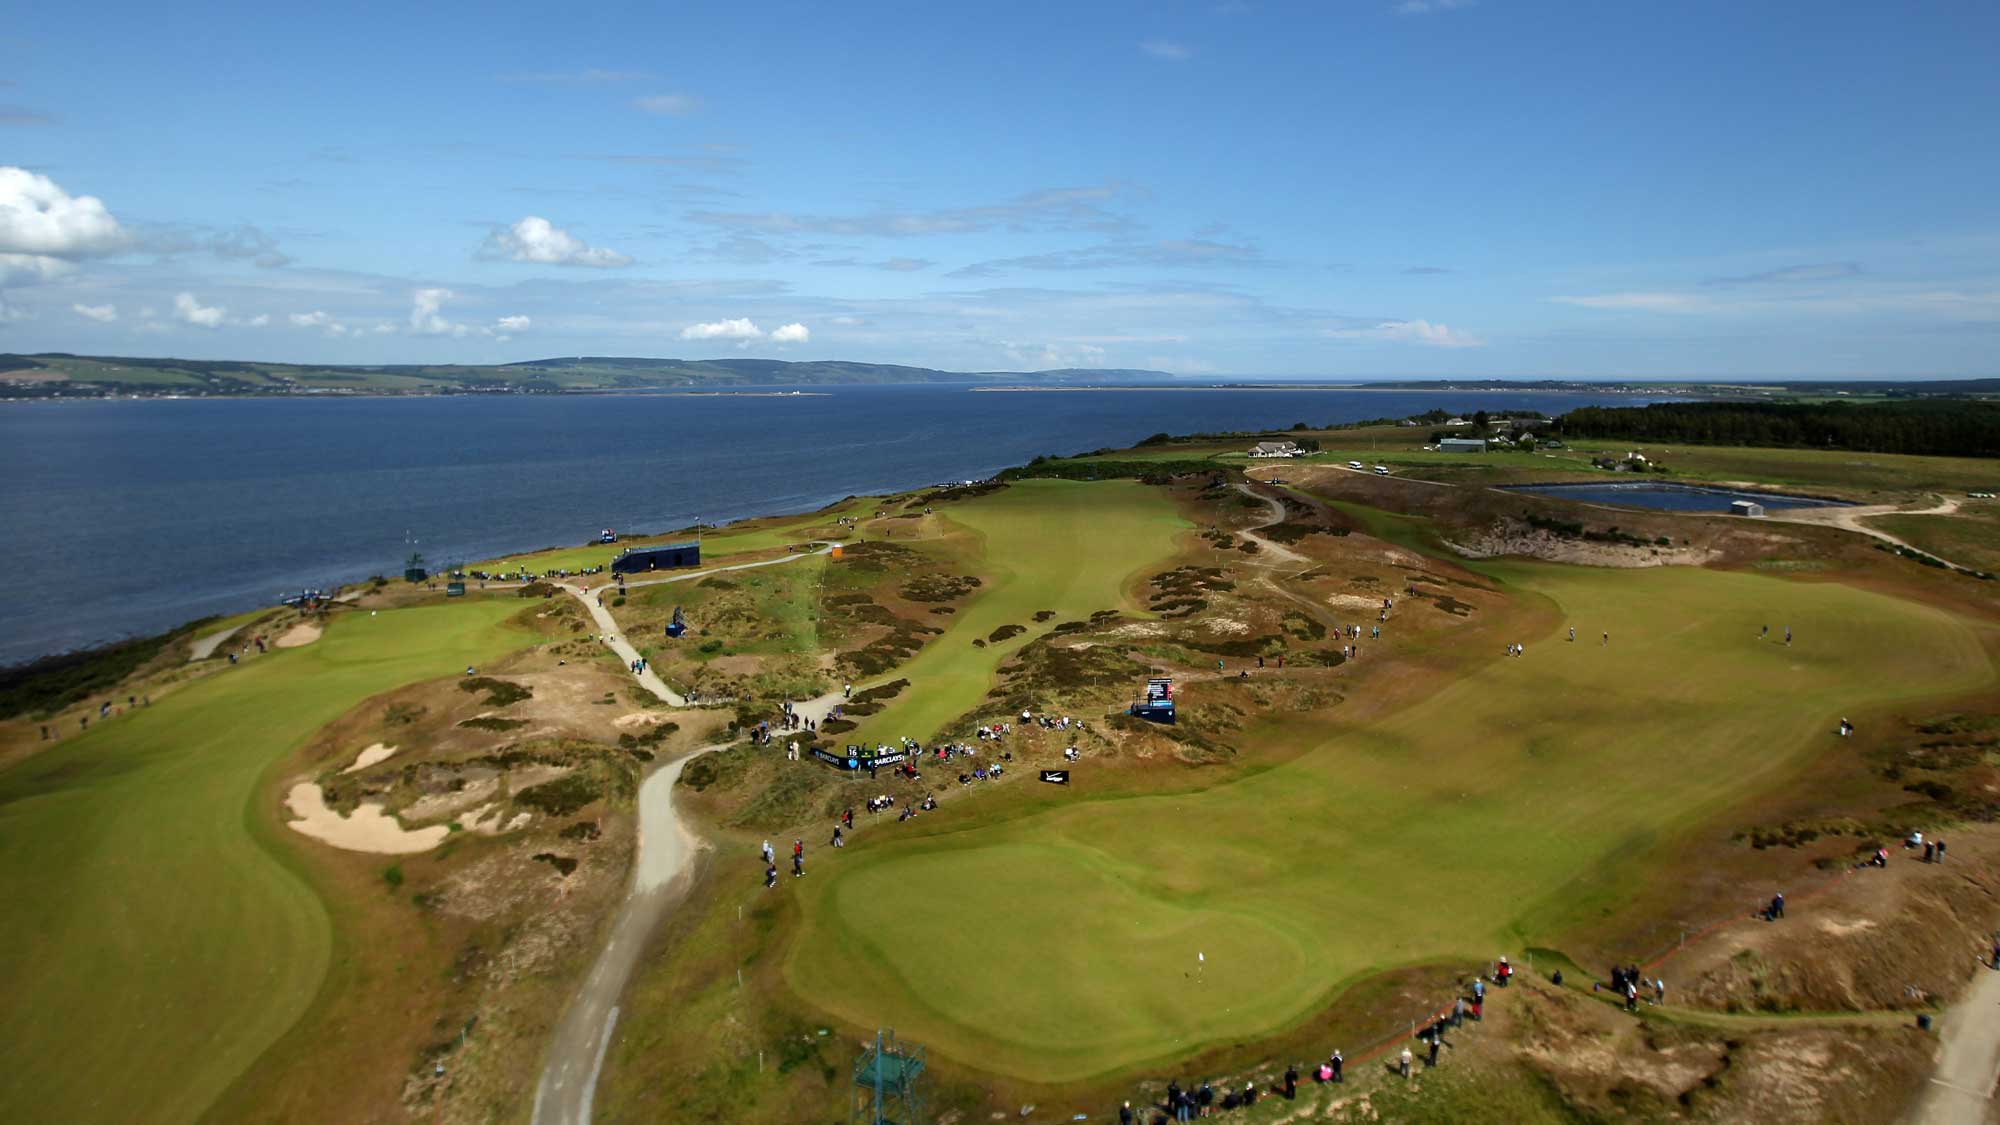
1354, 188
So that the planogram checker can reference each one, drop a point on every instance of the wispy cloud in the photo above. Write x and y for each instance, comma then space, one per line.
102, 314
1070, 208
1172, 253
1819, 271
1429, 7
588, 76
1166, 50
668, 105
892, 265
1643, 302
24, 115
1427, 271
1410, 332
712, 162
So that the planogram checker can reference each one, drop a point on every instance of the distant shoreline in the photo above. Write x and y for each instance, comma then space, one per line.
1373, 388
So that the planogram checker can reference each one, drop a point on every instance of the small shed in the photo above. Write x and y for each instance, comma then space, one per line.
1462, 445
667, 556
1745, 508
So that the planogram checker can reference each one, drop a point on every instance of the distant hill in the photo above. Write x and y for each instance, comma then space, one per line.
61, 375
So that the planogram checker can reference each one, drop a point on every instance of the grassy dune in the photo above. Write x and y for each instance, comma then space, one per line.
1969, 539
1048, 545
1511, 804
156, 944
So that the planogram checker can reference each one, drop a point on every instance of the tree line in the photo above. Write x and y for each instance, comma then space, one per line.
1953, 428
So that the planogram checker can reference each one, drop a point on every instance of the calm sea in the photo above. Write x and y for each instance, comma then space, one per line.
127, 518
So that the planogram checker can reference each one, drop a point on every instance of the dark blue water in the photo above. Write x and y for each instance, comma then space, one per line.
124, 518
1669, 497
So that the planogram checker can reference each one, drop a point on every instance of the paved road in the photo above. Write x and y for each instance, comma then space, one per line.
660, 880
1961, 1092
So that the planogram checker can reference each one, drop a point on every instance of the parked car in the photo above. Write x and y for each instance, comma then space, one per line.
1382, 470
1354, 464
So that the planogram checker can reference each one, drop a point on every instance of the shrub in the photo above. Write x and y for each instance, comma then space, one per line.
560, 797
499, 693
494, 723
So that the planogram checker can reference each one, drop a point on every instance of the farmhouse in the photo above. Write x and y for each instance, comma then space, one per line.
1462, 445
1275, 449
667, 556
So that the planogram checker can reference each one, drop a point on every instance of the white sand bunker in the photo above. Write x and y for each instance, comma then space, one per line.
1354, 601
304, 633
493, 825
368, 830
369, 757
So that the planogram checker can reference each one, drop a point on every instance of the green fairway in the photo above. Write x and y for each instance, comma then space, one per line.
757, 535
1509, 805
1046, 545
156, 944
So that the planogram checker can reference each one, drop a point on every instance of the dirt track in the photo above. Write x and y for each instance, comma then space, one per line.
661, 875
1961, 1092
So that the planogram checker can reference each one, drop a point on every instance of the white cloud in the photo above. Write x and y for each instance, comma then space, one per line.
1429, 7
426, 318
1410, 332
791, 334
1645, 302
102, 314
9, 314
191, 311
739, 329
668, 105
1166, 51
327, 324
39, 220
535, 239
259, 321
28, 268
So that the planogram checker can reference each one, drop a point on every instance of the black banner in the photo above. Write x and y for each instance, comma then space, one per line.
1056, 777
853, 761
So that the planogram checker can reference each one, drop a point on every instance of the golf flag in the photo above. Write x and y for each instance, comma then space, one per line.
1199, 957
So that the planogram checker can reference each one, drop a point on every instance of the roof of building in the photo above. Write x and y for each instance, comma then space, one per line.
659, 547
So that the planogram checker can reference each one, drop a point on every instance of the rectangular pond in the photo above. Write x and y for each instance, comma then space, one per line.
1671, 497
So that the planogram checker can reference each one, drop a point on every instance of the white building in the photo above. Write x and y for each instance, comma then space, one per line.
1275, 449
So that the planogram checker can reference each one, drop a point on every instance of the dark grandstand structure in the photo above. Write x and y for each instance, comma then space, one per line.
667, 556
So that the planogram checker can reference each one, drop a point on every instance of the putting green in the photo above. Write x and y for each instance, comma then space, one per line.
156, 944
1054, 545
1511, 803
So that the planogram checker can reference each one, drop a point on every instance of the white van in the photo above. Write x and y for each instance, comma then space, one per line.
1354, 464
1382, 470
